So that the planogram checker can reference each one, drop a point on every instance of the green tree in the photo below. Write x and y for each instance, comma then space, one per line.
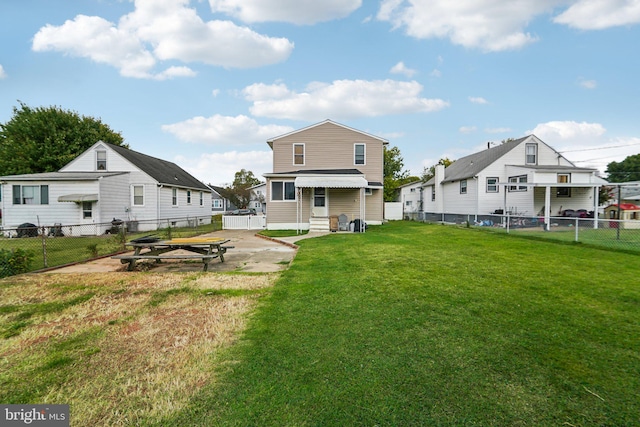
44, 139
394, 175
428, 173
624, 171
239, 192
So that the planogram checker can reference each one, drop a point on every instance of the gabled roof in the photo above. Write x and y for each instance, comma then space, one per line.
319, 172
161, 170
271, 140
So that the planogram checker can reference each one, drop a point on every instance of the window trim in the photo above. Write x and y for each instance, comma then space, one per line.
284, 184
188, 197
497, 187
304, 149
174, 196
99, 161
133, 194
517, 180
87, 210
563, 191
41, 194
368, 191
364, 154
463, 186
215, 202
433, 193
201, 198
535, 154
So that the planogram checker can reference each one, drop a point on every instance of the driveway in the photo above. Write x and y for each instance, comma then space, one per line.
250, 254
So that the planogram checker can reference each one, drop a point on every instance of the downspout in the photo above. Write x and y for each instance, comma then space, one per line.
477, 197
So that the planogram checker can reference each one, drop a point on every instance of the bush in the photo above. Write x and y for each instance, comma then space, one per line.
15, 261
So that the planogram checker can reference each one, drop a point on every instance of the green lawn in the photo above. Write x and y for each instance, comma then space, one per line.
414, 324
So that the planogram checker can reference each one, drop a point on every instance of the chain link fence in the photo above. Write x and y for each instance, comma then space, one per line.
31, 248
605, 233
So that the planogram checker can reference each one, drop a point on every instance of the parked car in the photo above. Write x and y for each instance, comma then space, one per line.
243, 212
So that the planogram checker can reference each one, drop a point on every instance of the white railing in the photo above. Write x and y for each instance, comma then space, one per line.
244, 222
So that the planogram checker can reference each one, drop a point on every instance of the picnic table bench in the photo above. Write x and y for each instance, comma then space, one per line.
203, 248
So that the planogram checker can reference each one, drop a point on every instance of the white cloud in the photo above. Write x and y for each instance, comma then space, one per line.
489, 25
341, 99
220, 168
467, 129
215, 93
584, 133
436, 73
161, 31
294, 11
477, 100
587, 84
400, 68
3, 74
224, 130
600, 14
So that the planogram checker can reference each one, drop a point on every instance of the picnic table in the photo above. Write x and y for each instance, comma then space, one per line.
204, 248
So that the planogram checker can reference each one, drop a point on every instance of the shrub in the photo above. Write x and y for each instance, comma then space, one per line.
15, 261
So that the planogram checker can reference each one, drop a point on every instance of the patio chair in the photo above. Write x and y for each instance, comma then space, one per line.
343, 223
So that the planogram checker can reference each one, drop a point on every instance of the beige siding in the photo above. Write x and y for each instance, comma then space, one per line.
328, 146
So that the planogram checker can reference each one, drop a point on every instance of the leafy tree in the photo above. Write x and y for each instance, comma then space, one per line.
626, 170
44, 139
394, 176
239, 192
428, 173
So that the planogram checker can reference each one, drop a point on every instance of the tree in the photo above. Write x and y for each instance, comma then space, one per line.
624, 171
239, 192
428, 173
45, 139
394, 176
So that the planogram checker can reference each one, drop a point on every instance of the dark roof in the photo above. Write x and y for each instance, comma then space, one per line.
161, 170
270, 140
60, 176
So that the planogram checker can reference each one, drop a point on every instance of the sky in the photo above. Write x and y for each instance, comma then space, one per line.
205, 83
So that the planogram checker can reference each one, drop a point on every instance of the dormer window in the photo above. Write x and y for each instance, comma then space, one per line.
531, 154
101, 160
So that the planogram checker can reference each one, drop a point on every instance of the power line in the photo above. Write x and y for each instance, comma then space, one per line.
599, 148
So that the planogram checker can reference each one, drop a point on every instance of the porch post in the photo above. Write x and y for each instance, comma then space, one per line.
596, 203
547, 207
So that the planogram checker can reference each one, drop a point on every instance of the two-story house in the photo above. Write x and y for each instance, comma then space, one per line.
523, 177
105, 182
325, 170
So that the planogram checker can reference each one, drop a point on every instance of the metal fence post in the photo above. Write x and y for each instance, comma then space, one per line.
577, 225
44, 248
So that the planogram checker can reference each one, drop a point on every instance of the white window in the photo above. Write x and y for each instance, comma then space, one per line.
531, 151
433, 193
492, 185
30, 194
408, 203
201, 198
368, 191
283, 190
298, 154
217, 203
138, 195
463, 186
174, 197
359, 154
413, 190
188, 197
518, 179
101, 160
87, 211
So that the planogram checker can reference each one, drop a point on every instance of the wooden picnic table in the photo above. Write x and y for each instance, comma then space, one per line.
204, 248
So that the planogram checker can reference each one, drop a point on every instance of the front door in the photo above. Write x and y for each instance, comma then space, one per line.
87, 220
320, 202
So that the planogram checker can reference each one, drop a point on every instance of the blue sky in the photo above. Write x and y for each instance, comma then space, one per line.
206, 83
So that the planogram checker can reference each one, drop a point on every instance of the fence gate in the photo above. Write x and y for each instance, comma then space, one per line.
244, 222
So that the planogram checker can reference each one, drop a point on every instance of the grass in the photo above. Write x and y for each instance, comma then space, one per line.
413, 324
407, 324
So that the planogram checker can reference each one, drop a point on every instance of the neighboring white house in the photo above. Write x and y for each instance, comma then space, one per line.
106, 182
411, 198
524, 176
259, 198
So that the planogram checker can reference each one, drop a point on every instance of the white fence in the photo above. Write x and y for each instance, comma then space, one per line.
392, 211
244, 222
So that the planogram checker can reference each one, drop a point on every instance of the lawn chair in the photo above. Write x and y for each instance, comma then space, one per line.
343, 223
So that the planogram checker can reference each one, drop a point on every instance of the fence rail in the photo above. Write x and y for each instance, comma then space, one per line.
244, 222
28, 248
606, 233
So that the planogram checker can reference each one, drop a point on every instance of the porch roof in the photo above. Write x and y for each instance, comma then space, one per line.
77, 198
331, 181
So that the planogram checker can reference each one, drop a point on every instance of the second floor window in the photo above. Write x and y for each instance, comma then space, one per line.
531, 151
101, 160
298, 154
359, 154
